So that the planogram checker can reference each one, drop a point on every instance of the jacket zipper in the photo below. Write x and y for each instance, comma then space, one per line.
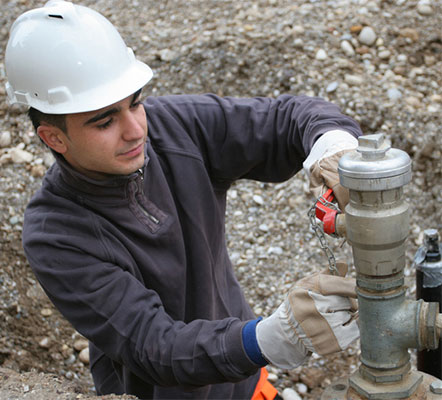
155, 220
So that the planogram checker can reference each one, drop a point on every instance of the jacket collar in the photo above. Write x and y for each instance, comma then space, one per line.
114, 186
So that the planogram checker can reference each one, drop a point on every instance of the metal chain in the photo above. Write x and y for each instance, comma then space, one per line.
319, 232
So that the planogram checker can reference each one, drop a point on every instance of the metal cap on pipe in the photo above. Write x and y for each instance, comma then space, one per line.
374, 165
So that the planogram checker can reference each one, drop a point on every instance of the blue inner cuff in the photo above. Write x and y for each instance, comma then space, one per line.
251, 344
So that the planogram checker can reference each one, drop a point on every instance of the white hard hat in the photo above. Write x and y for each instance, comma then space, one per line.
65, 58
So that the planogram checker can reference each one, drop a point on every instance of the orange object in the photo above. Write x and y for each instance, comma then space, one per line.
264, 390
326, 214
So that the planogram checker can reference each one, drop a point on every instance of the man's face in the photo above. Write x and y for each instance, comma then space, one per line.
109, 141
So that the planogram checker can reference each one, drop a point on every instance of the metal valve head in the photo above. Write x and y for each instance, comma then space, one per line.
374, 165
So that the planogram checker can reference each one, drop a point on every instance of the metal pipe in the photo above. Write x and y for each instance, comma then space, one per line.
377, 225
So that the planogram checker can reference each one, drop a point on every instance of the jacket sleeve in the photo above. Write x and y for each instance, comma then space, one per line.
112, 308
259, 138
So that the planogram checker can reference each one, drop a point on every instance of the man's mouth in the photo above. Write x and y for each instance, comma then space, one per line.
134, 151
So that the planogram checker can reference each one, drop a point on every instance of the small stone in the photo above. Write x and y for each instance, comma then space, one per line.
413, 101
436, 98
5, 139
46, 312
167, 55
290, 394
37, 171
384, 54
14, 220
331, 87
356, 28
410, 33
347, 48
302, 388
84, 355
275, 250
354, 80
48, 159
321, 55
367, 36
298, 43
430, 60
44, 343
70, 360
424, 8
272, 378
263, 228
362, 50
258, 199
394, 94
81, 344
20, 156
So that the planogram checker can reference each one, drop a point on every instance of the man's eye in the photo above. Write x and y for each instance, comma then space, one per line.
105, 124
136, 104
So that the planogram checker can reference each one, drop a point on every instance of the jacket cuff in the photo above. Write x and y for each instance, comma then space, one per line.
251, 344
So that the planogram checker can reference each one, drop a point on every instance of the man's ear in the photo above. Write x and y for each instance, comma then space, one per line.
53, 137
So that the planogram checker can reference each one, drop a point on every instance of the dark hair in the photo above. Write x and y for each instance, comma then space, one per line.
37, 117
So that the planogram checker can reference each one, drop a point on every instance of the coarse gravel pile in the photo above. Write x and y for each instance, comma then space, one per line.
379, 60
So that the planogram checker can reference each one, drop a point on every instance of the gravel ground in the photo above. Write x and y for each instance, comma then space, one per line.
379, 60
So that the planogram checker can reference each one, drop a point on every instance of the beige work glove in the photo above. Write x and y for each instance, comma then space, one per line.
324, 175
318, 315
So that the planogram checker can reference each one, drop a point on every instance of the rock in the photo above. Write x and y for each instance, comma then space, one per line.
354, 80
37, 171
331, 87
436, 98
367, 36
81, 344
394, 94
430, 60
167, 55
48, 159
424, 8
413, 101
46, 312
19, 156
356, 28
273, 378
384, 54
263, 228
298, 43
321, 55
302, 388
410, 33
14, 220
275, 250
347, 48
258, 199
290, 394
84, 356
44, 343
5, 139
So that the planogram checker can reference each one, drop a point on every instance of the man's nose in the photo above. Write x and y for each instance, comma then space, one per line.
133, 129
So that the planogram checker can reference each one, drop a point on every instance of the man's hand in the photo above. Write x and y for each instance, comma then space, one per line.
321, 165
318, 316
324, 175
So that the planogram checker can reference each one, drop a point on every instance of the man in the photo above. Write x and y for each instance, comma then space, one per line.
126, 235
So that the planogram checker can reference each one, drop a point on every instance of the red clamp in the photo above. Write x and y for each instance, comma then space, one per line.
327, 214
